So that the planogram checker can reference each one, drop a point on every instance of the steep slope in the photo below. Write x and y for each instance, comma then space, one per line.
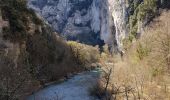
30, 53
120, 17
146, 66
91, 21
132, 16
87, 21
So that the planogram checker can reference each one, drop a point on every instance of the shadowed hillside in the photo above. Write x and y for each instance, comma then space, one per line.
30, 53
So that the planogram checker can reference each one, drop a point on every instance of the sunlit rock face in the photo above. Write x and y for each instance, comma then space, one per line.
86, 21
93, 22
119, 13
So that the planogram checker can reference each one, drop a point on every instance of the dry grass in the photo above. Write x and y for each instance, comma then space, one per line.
145, 67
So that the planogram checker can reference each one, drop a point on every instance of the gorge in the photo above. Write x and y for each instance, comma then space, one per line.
93, 22
113, 49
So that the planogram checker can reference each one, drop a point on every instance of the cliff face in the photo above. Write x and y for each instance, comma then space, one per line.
98, 21
120, 17
87, 21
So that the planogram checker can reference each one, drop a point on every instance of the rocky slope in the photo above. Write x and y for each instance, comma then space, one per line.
98, 21
30, 53
87, 21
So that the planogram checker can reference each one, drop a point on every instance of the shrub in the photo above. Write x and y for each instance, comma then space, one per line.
34, 55
142, 51
141, 11
86, 54
146, 64
97, 91
14, 75
19, 17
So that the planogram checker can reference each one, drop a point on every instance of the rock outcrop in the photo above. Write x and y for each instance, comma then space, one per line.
96, 22
86, 21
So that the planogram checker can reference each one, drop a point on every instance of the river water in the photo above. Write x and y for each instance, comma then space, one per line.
75, 88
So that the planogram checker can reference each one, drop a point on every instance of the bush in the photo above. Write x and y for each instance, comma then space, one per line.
142, 51
19, 17
146, 65
97, 91
34, 54
141, 11
86, 54
14, 75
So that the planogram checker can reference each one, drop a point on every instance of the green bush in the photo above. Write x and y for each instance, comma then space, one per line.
141, 11
142, 51
16, 12
86, 54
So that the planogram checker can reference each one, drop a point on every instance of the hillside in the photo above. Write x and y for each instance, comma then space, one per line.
106, 49
142, 73
99, 22
30, 53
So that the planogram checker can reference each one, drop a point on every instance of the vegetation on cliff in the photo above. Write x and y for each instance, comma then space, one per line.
30, 53
143, 71
143, 11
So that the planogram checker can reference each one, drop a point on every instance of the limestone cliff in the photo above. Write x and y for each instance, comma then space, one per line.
96, 22
87, 21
